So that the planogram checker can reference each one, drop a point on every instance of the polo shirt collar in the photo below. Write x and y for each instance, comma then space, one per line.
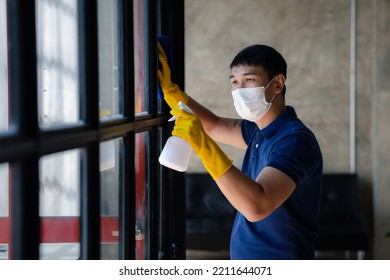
279, 123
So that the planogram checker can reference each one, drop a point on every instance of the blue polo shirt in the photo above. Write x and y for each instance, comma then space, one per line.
289, 232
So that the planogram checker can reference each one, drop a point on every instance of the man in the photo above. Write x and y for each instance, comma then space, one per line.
277, 193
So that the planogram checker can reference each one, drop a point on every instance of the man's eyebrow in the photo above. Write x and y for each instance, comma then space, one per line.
245, 74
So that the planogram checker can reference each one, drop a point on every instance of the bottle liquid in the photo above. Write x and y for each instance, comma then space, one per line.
176, 153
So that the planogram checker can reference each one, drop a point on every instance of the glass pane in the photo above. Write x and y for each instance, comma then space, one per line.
110, 179
5, 222
3, 68
59, 205
108, 24
141, 203
57, 62
162, 196
140, 58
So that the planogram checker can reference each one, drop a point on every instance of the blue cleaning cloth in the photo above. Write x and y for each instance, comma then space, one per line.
166, 44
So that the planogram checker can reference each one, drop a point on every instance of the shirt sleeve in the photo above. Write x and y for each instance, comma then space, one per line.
296, 155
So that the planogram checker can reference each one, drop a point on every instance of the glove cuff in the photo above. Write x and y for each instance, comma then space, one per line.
174, 95
215, 160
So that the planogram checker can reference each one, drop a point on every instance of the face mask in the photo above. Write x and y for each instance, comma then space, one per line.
250, 103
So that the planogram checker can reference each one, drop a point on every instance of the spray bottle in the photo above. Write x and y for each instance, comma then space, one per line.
177, 152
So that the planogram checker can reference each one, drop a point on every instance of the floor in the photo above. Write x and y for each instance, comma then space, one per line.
224, 255
207, 255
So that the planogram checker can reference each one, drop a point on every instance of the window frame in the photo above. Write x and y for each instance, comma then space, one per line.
23, 146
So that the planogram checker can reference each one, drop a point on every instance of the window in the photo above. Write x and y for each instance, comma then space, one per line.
59, 206
4, 127
111, 180
140, 59
4, 122
81, 166
4, 211
110, 102
57, 63
4, 182
141, 204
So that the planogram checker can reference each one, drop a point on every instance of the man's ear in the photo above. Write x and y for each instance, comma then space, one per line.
280, 81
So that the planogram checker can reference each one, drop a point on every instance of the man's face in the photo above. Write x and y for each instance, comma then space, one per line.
243, 76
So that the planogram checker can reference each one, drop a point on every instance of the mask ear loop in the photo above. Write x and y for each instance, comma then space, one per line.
272, 98
270, 83
267, 87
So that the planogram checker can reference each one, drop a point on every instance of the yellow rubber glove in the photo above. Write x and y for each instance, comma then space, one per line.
172, 93
189, 128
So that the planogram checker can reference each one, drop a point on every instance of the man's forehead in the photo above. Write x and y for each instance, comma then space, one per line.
245, 70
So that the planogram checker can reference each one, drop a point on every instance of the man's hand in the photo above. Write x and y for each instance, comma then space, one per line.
189, 128
172, 93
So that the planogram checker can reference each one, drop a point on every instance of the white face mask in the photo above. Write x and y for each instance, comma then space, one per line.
250, 103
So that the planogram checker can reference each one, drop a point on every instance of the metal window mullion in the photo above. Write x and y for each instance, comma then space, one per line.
24, 214
153, 195
127, 187
166, 201
152, 162
176, 180
89, 95
90, 204
24, 114
127, 201
151, 50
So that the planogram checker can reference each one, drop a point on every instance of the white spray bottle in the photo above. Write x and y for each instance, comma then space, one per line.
177, 152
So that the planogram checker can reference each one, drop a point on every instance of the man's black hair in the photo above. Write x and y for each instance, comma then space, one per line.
261, 55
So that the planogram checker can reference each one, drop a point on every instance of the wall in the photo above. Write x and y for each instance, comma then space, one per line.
314, 38
381, 129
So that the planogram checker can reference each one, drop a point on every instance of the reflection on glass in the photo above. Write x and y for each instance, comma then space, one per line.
140, 58
3, 68
57, 62
4, 190
110, 180
5, 222
141, 214
110, 102
59, 205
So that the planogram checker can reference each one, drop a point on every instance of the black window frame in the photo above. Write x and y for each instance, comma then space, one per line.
24, 147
